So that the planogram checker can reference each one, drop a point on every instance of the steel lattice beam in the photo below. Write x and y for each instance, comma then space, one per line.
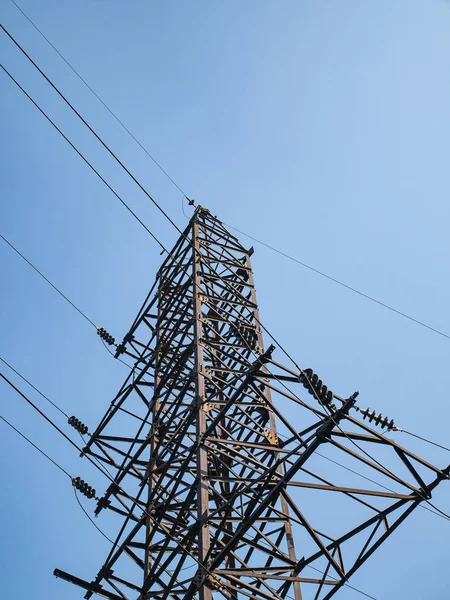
213, 501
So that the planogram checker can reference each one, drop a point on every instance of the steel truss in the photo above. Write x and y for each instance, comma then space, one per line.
211, 498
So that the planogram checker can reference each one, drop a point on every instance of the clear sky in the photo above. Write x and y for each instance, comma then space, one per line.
321, 127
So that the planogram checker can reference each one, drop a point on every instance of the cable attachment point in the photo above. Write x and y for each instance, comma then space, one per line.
78, 425
191, 202
83, 487
105, 336
377, 418
315, 386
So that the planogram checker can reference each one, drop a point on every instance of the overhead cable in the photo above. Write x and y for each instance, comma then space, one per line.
106, 474
424, 439
158, 206
341, 283
61, 294
36, 447
42, 274
89, 517
96, 135
121, 123
34, 387
263, 327
79, 153
274, 249
37, 409
122, 165
141, 187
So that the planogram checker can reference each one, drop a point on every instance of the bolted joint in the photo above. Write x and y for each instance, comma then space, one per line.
261, 360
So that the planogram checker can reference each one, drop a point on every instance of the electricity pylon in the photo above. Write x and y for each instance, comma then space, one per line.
213, 501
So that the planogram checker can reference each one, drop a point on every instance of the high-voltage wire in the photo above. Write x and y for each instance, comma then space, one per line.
121, 165
259, 241
37, 409
164, 213
27, 439
62, 295
34, 387
121, 123
123, 202
89, 517
110, 477
263, 327
83, 314
281, 348
36, 447
79, 153
341, 283
419, 437
96, 135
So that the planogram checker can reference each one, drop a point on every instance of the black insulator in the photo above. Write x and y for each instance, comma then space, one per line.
83, 487
78, 425
328, 398
242, 273
378, 419
305, 377
106, 336
315, 386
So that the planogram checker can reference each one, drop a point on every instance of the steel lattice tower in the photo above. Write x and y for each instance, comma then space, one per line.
213, 502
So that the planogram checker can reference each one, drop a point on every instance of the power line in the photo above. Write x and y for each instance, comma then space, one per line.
22, 89
341, 283
160, 167
62, 295
159, 207
108, 186
280, 252
108, 476
346, 584
96, 135
352, 289
66, 437
425, 440
36, 447
122, 165
143, 189
40, 272
117, 195
80, 154
34, 387
90, 518
37, 409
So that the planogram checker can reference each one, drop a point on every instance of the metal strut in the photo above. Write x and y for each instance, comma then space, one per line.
217, 482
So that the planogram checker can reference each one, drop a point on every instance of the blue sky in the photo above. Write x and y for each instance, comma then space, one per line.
320, 127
